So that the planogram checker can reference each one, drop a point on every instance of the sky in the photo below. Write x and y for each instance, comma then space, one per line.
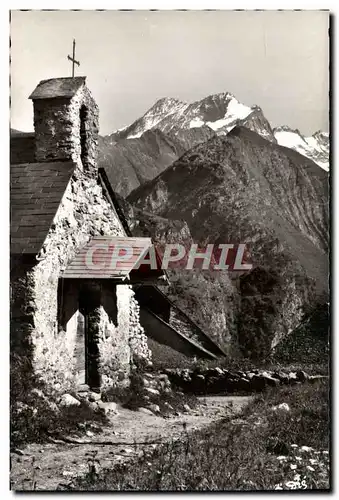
277, 60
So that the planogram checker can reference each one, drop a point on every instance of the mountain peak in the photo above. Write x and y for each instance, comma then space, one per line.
218, 97
165, 103
164, 100
315, 147
286, 128
221, 112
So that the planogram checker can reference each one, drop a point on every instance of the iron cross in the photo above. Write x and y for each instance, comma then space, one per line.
73, 59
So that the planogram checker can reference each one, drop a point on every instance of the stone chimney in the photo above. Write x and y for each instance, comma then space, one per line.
66, 122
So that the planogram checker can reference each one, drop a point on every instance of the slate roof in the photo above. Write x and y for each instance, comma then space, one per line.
36, 190
58, 88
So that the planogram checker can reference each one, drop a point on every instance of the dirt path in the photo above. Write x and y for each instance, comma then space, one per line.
47, 466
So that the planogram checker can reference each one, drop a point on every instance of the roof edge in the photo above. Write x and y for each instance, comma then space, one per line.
39, 93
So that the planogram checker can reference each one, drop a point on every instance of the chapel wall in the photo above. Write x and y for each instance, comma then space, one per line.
83, 213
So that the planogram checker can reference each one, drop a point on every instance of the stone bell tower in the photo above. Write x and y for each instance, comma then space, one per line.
66, 122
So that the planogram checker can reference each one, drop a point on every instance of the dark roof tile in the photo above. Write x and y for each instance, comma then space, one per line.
22, 148
34, 202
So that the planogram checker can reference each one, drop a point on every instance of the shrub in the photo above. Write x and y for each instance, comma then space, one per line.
260, 292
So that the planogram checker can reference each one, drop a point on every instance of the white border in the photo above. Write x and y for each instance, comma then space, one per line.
4, 198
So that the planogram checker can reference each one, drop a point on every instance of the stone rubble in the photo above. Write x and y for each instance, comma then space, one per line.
68, 400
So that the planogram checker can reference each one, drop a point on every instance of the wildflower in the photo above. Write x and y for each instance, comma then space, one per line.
325, 452
282, 406
294, 446
282, 457
309, 467
298, 458
297, 477
306, 448
313, 461
293, 466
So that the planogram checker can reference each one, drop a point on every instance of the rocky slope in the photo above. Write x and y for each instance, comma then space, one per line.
208, 299
241, 188
130, 163
315, 147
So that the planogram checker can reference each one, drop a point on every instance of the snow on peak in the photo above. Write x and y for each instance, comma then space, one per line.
165, 104
315, 147
196, 123
220, 112
162, 108
234, 111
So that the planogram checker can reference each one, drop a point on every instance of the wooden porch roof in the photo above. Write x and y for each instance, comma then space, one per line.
96, 260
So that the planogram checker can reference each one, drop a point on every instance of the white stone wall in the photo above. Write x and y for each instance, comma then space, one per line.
140, 351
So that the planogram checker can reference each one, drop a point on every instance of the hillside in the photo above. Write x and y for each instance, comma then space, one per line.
131, 162
241, 188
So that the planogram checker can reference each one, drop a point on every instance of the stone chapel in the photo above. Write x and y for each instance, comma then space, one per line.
76, 328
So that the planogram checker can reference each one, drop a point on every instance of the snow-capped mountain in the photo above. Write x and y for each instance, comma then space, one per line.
140, 151
315, 147
220, 112
153, 117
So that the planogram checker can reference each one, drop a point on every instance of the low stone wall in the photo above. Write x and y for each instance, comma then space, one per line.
218, 380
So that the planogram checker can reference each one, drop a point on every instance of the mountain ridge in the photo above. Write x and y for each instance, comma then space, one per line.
222, 112
242, 188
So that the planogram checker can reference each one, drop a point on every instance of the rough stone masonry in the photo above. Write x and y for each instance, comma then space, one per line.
45, 308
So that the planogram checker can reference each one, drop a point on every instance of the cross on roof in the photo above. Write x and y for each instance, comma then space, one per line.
74, 61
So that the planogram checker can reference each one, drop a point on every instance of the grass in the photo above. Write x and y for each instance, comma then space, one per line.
261, 449
35, 412
38, 417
